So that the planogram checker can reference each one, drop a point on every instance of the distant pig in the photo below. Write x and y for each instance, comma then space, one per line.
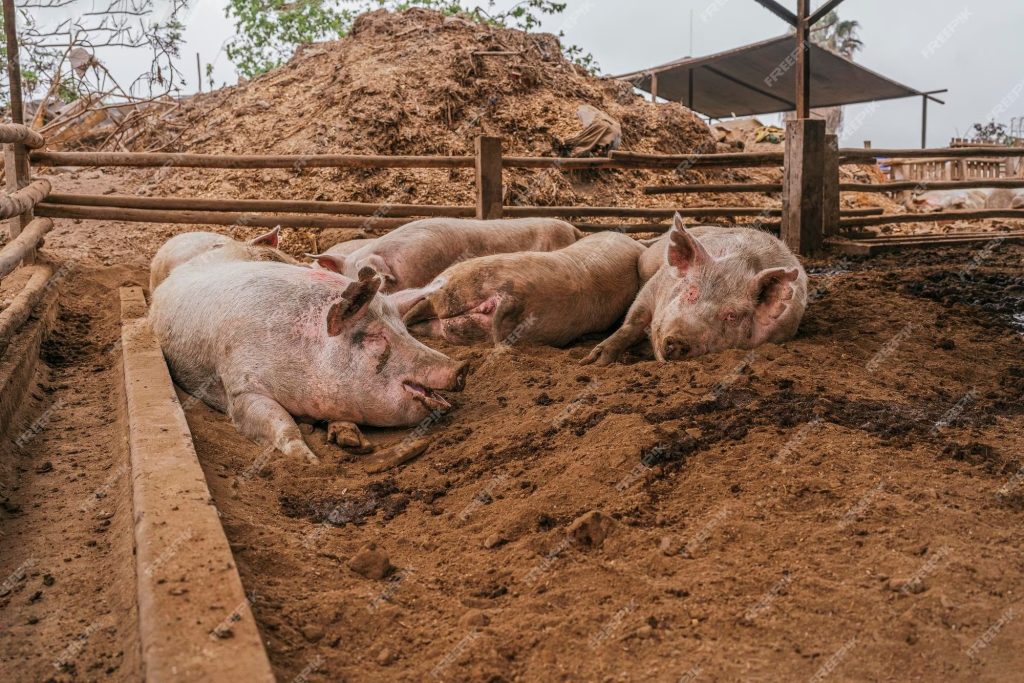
214, 246
264, 342
1001, 198
716, 288
946, 200
533, 297
414, 254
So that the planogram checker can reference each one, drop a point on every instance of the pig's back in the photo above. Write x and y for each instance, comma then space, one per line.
179, 250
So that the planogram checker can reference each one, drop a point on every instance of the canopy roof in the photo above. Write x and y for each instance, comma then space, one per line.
760, 79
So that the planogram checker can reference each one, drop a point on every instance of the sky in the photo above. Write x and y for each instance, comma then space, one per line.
972, 47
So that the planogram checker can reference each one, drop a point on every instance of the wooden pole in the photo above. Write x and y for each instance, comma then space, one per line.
803, 178
714, 188
903, 185
488, 177
199, 72
15, 154
13, 61
803, 60
654, 88
924, 121
980, 214
830, 199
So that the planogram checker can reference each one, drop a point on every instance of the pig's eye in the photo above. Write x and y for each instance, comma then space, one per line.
374, 342
731, 317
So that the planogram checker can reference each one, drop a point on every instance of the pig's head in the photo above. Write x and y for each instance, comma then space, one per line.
712, 304
926, 202
265, 247
398, 378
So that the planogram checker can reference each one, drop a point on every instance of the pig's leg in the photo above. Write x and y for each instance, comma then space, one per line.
263, 420
633, 330
348, 436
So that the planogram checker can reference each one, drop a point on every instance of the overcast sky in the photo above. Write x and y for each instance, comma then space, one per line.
974, 48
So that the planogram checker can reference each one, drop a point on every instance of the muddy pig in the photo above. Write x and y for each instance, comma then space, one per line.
534, 297
946, 200
716, 288
213, 247
414, 254
270, 342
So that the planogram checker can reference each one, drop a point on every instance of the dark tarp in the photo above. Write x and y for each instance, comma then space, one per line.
760, 79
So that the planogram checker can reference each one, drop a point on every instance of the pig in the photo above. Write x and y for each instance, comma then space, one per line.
1001, 198
340, 252
946, 200
533, 297
270, 342
414, 254
213, 246
1018, 201
716, 288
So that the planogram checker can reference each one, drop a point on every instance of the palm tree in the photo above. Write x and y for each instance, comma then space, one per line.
839, 37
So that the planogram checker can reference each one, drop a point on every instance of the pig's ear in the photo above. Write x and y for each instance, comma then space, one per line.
684, 251
378, 264
268, 239
331, 262
355, 299
772, 290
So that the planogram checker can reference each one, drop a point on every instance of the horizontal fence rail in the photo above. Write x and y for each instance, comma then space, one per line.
977, 215
714, 188
21, 201
938, 152
262, 205
923, 185
16, 133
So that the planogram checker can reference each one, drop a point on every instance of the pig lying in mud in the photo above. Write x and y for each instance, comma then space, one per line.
414, 254
213, 247
709, 289
947, 200
266, 341
534, 297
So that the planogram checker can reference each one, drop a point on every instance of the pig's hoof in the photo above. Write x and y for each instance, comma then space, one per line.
298, 449
599, 356
348, 436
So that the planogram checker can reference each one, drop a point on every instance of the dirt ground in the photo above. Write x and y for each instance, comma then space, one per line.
847, 503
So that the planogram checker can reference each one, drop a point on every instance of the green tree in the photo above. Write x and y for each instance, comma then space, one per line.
268, 31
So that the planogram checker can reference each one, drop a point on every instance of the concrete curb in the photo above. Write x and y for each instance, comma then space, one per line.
195, 621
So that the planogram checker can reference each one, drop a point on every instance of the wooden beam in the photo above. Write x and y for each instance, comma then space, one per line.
802, 198
23, 246
857, 154
488, 177
803, 60
22, 200
293, 161
778, 10
263, 205
13, 62
830, 198
714, 188
975, 215
877, 246
654, 88
685, 161
110, 213
924, 185
16, 132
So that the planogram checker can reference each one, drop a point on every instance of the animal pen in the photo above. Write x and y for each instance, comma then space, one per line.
809, 219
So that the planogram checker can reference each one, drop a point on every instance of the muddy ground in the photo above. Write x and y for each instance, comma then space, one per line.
847, 503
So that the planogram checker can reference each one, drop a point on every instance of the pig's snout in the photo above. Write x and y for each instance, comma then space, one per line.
675, 349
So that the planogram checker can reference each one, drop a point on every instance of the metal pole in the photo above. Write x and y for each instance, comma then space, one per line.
199, 73
13, 61
924, 122
803, 60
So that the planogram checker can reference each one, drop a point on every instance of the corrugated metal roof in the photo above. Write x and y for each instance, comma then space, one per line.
760, 79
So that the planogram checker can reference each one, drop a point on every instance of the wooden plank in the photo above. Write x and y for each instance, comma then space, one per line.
195, 620
243, 161
267, 205
685, 161
641, 228
111, 213
802, 198
710, 188
16, 177
13, 62
488, 177
935, 152
830, 198
871, 247
667, 212
977, 215
902, 186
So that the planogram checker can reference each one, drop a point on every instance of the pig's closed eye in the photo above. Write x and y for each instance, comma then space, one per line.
731, 317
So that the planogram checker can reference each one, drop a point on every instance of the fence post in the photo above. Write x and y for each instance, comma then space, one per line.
830, 200
15, 154
803, 185
488, 177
